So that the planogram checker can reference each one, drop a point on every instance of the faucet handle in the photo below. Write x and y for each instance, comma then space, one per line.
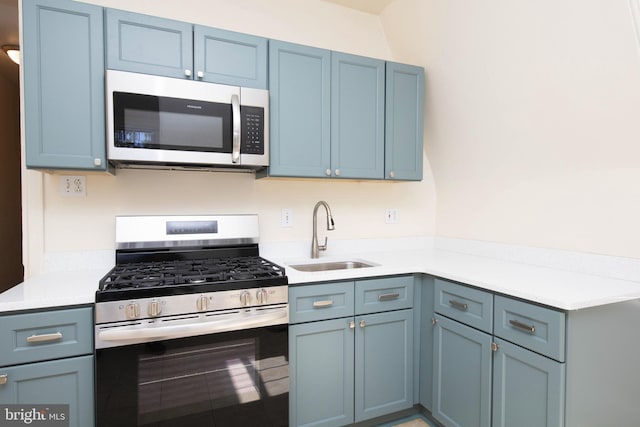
323, 247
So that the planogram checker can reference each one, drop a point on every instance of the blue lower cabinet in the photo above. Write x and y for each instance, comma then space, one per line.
383, 363
65, 381
321, 373
350, 369
461, 375
528, 389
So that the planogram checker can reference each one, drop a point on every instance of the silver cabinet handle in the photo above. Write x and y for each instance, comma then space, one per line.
522, 326
392, 174
97, 162
362, 324
235, 108
3, 379
352, 325
494, 347
200, 74
388, 297
187, 73
459, 305
328, 172
45, 337
337, 172
322, 304
434, 320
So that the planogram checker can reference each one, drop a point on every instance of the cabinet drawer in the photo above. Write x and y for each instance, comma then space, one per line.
318, 302
467, 305
536, 328
45, 335
384, 294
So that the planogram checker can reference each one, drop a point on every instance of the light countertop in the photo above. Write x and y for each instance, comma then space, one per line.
549, 286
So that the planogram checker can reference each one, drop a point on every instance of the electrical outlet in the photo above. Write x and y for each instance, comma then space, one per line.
391, 216
286, 218
73, 186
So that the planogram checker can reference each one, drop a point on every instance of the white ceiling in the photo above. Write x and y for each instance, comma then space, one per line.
369, 6
8, 35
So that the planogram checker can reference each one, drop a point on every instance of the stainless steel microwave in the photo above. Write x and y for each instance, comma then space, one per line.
162, 122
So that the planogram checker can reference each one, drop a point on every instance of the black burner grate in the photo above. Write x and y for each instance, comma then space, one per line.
184, 276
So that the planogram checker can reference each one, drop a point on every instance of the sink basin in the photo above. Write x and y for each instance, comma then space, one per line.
331, 265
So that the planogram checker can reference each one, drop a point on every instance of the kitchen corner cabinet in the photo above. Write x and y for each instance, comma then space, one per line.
404, 122
63, 64
358, 365
497, 361
46, 358
153, 45
338, 115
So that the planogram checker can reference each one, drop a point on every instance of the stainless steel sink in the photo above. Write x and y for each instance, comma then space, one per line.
331, 265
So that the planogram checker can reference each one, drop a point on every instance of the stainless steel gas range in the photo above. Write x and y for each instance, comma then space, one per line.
191, 326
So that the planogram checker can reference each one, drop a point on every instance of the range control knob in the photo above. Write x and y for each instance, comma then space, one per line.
154, 308
245, 298
202, 303
261, 296
132, 310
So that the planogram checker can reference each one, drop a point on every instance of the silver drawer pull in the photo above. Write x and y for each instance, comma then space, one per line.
45, 337
388, 297
459, 305
527, 328
322, 304
3, 379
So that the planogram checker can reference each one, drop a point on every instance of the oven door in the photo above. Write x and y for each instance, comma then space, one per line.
238, 378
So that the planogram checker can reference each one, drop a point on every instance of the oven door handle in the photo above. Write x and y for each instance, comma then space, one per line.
272, 317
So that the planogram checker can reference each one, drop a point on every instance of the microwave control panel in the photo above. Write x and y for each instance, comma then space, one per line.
252, 133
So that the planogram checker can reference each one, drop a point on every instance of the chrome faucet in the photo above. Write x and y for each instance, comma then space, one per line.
315, 248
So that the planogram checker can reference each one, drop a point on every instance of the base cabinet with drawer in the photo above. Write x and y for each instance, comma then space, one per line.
497, 361
351, 350
46, 358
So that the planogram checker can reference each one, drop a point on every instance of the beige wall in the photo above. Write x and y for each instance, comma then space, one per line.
57, 224
531, 118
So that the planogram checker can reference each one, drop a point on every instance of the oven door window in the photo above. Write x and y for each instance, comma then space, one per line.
146, 121
229, 379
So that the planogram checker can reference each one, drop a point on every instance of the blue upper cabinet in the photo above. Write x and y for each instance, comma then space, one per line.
148, 44
229, 58
344, 116
63, 65
153, 45
404, 122
300, 92
357, 116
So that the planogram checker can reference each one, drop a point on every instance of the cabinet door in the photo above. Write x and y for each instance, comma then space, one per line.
230, 58
299, 91
384, 363
461, 375
404, 122
357, 116
64, 381
321, 373
528, 389
63, 67
149, 44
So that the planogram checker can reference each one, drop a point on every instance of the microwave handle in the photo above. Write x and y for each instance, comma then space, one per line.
235, 108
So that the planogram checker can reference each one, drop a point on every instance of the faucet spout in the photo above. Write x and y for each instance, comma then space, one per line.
315, 247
